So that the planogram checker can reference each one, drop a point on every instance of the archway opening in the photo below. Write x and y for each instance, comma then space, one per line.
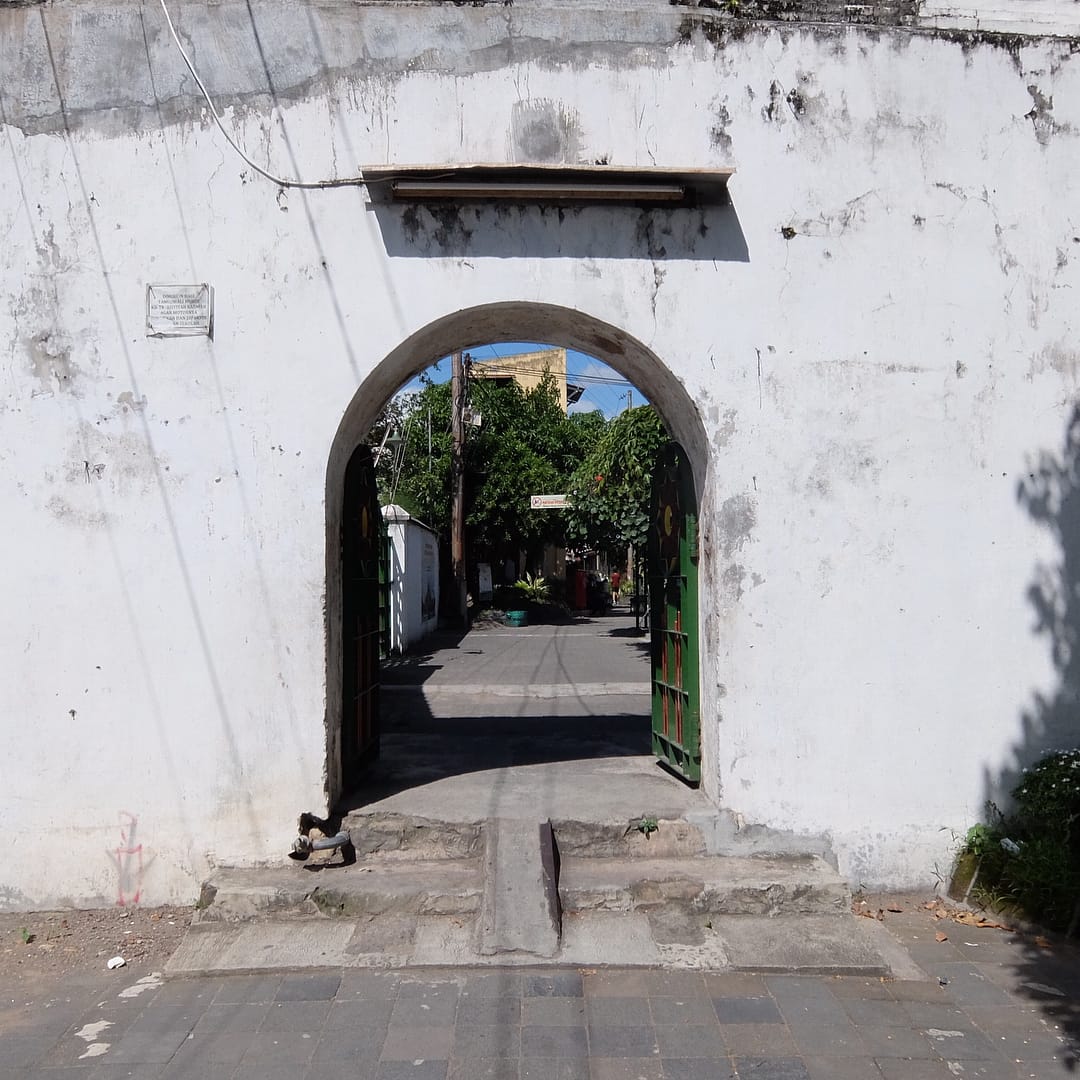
464, 330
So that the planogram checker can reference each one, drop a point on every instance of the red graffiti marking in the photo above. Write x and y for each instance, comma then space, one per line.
129, 862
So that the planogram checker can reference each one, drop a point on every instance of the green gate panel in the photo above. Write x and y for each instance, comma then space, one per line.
673, 615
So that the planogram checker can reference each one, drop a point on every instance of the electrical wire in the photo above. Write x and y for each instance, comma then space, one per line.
495, 368
489, 369
338, 182
603, 383
399, 459
598, 388
348, 181
590, 384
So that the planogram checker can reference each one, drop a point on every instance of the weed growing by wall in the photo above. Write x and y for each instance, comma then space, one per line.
1029, 859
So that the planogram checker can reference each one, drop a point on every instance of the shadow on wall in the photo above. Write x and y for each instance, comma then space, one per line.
1047, 973
589, 232
1051, 495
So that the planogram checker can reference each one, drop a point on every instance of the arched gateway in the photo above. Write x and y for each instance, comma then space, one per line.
868, 355
350, 656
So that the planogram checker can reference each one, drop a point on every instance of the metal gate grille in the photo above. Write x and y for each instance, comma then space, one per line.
673, 620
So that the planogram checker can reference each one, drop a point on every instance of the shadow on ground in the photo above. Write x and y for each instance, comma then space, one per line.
1047, 976
420, 748
634, 637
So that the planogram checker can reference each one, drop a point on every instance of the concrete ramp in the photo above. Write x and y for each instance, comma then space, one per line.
520, 909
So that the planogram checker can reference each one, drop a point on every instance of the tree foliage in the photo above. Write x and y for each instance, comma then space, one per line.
610, 491
526, 445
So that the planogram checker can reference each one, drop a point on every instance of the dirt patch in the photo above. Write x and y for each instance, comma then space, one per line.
51, 943
931, 909
932, 918
880, 905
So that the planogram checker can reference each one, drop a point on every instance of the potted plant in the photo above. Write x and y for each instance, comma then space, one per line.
531, 590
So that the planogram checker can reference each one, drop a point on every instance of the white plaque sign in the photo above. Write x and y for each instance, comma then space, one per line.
179, 310
547, 502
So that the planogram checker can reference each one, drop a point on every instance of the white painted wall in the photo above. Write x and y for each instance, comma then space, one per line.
414, 579
871, 395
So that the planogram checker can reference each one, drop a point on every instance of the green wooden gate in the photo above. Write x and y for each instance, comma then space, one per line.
673, 619
364, 611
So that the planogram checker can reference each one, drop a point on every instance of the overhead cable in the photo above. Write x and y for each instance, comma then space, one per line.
346, 181
491, 369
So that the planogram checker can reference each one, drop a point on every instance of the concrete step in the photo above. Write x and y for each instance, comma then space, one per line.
634, 838
744, 913
379, 887
709, 884
387, 833
797, 944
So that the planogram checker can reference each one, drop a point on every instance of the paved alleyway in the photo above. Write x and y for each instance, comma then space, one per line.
551, 718
606, 649
989, 1004
1008, 1010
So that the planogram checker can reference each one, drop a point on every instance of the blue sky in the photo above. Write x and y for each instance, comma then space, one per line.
605, 388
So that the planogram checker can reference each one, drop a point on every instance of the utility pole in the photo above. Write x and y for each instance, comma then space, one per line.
629, 399
457, 465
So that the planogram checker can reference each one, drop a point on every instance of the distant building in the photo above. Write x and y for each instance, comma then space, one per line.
528, 369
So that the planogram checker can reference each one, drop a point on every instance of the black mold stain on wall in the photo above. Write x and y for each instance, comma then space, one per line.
869, 12
545, 131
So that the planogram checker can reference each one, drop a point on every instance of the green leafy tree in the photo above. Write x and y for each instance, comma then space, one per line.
518, 451
526, 445
610, 490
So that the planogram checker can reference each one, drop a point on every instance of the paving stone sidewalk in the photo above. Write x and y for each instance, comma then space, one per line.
999, 1009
